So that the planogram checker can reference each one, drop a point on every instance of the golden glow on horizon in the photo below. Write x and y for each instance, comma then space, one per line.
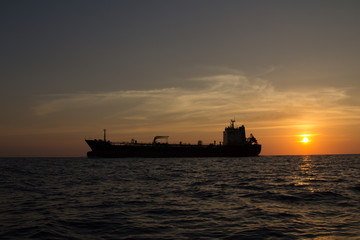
151, 112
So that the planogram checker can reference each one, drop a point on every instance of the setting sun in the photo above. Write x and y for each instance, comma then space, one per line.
305, 140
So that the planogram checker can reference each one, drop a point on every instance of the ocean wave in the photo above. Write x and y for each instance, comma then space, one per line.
275, 197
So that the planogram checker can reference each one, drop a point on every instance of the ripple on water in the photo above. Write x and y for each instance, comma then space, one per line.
277, 197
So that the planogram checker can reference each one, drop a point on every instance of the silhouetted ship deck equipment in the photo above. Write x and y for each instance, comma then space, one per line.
235, 144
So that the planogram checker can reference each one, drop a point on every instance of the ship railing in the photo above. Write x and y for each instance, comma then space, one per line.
129, 143
166, 144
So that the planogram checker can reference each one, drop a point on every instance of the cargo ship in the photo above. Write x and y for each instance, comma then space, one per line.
235, 144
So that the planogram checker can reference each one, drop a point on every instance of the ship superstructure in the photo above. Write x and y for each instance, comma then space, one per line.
234, 136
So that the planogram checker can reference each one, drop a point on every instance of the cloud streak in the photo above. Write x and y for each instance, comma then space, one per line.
215, 99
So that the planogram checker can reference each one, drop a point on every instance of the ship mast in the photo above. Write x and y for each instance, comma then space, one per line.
232, 123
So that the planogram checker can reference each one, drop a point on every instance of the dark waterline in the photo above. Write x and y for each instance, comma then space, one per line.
267, 197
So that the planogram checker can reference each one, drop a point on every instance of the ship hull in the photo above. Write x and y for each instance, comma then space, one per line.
108, 150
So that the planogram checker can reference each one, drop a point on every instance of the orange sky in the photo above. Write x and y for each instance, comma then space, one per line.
182, 69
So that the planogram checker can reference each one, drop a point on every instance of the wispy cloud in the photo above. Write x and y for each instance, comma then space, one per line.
220, 97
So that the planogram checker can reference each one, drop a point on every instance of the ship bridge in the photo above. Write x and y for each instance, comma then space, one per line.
234, 136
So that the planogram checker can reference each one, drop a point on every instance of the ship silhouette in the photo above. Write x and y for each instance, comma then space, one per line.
235, 144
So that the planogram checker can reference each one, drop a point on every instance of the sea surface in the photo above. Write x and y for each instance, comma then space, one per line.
266, 197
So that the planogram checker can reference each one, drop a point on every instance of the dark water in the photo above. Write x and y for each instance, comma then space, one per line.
269, 197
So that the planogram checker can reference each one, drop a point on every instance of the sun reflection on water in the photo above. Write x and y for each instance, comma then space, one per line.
306, 173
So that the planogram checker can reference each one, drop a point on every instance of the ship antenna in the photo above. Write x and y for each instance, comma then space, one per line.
232, 123
104, 135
